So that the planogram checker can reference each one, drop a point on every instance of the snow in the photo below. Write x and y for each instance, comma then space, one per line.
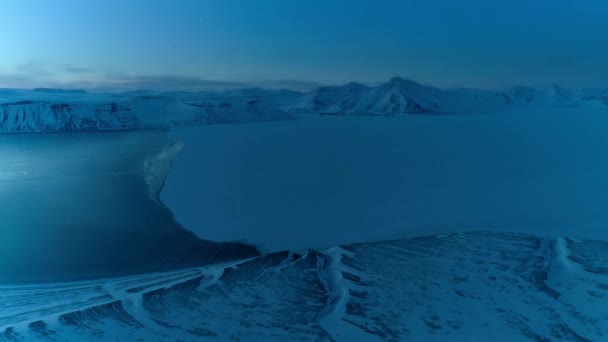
322, 98
46, 110
461, 287
315, 182
321, 195
55, 110
401, 96
33, 116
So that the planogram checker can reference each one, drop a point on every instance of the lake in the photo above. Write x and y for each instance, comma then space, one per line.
83, 205
319, 181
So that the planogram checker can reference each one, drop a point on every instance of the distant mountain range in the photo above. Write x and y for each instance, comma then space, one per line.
401, 96
45, 109
53, 111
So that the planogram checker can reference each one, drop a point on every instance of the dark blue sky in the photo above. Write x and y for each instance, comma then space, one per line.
223, 43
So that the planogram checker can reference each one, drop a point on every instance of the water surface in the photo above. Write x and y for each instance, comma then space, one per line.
83, 205
316, 182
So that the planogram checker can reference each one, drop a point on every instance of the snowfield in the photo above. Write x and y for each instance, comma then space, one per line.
457, 287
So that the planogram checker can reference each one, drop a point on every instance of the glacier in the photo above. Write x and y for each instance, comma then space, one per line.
454, 287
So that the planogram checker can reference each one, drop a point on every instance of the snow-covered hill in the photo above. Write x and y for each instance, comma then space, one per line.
552, 96
397, 96
55, 110
401, 96
68, 110
459, 287
319, 100
39, 116
234, 109
596, 97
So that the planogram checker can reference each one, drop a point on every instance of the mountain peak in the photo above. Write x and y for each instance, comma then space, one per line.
403, 83
355, 85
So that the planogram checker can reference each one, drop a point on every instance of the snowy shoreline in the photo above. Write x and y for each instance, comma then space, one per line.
501, 286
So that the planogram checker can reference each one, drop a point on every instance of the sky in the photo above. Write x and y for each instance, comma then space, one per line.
196, 44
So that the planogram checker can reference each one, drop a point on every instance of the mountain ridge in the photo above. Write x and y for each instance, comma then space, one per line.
145, 108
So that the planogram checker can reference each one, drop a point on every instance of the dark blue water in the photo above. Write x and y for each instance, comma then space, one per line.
81, 205
317, 182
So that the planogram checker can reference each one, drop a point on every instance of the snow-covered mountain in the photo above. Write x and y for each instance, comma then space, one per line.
67, 110
552, 96
398, 96
401, 96
319, 100
54, 110
233, 109
39, 116
596, 97
459, 287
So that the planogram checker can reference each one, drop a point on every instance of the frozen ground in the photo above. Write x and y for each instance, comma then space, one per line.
321, 181
463, 287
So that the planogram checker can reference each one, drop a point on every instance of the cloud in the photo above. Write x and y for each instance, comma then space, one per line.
287, 84
68, 77
34, 74
33, 69
153, 82
77, 70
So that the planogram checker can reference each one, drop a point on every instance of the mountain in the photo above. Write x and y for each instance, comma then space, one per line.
47, 109
39, 116
552, 96
558, 95
401, 96
319, 100
522, 95
595, 97
398, 96
61, 111
235, 109
458, 287
279, 99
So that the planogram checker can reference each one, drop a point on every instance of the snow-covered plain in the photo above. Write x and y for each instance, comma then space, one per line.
315, 182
